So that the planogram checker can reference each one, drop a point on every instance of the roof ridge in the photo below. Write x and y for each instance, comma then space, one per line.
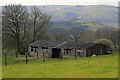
63, 43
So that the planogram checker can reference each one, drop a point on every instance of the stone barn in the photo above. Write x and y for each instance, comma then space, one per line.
87, 49
56, 49
52, 48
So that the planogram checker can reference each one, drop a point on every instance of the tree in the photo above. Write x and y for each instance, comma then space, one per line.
88, 36
112, 34
99, 33
75, 34
105, 41
23, 26
13, 21
60, 35
38, 20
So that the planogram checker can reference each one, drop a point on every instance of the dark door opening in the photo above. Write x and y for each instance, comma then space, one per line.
55, 52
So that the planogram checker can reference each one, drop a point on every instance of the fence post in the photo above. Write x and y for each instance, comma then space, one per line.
43, 55
37, 55
5, 59
75, 54
26, 57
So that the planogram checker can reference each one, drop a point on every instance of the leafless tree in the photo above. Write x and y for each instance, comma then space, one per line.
88, 36
13, 21
60, 35
99, 32
19, 25
112, 34
75, 34
39, 20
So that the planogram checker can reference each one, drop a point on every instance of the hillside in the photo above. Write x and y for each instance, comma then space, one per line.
87, 16
104, 14
85, 25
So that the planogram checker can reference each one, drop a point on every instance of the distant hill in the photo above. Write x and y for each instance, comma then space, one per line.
87, 16
74, 23
104, 14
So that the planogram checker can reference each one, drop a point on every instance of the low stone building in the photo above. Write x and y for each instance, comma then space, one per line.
56, 49
52, 48
87, 49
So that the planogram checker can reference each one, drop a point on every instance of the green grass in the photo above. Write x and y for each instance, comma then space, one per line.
95, 67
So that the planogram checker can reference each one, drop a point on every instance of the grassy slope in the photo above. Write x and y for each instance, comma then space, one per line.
94, 67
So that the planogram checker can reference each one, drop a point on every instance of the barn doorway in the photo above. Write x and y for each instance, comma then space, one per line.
55, 52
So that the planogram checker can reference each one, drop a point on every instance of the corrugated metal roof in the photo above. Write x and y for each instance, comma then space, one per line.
46, 43
68, 45
85, 45
65, 45
78, 45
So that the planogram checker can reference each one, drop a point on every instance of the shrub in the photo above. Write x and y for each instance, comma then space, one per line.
105, 41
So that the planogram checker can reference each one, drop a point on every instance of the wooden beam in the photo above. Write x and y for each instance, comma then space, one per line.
101, 51
75, 54
37, 55
50, 50
89, 53
26, 60
60, 54
5, 59
43, 55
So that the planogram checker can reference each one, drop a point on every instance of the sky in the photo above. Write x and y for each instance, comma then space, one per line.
60, 2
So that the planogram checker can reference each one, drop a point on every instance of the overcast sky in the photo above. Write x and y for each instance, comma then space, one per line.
60, 2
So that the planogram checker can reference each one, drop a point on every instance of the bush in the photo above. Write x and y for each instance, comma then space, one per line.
105, 41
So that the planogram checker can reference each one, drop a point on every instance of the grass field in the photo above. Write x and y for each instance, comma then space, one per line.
95, 67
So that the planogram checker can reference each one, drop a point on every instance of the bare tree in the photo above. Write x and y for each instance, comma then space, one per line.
75, 34
60, 35
19, 25
39, 20
112, 34
88, 36
99, 32
13, 19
